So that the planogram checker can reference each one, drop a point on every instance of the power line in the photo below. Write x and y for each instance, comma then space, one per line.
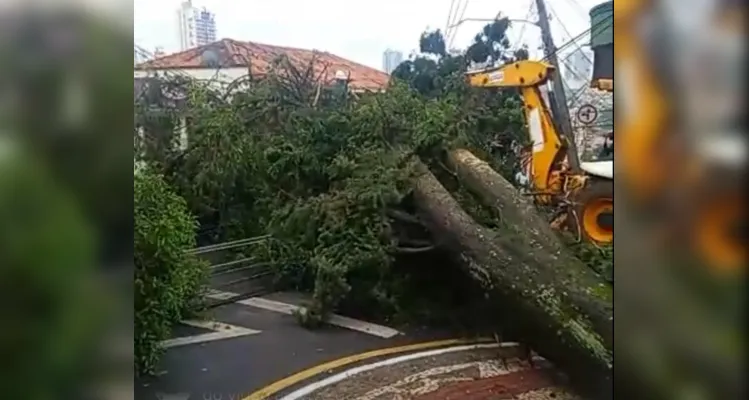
449, 16
600, 24
564, 28
579, 7
572, 41
565, 61
560, 104
527, 17
598, 97
578, 94
455, 31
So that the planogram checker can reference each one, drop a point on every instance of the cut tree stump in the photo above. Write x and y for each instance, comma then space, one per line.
545, 298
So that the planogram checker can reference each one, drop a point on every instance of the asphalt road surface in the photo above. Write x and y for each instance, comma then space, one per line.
269, 346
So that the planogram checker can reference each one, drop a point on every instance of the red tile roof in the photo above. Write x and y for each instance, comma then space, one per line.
233, 53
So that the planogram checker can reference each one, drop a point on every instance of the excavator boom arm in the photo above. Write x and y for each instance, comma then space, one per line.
547, 145
516, 75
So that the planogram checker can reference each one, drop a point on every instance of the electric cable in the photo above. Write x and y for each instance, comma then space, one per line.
449, 17
528, 15
564, 28
608, 23
577, 5
455, 31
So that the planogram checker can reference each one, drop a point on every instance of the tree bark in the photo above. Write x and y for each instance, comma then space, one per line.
520, 219
543, 310
494, 191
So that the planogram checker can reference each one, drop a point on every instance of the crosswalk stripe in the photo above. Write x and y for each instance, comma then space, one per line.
220, 331
289, 309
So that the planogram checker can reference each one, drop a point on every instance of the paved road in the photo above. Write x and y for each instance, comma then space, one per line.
233, 368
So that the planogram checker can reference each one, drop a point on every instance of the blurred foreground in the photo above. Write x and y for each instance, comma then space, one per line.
66, 201
680, 251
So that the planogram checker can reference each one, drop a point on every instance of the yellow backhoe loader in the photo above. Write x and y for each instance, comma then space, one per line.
588, 187
679, 143
687, 167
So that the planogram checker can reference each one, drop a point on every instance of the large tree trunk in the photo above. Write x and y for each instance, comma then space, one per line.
542, 296
496, 192
520, 219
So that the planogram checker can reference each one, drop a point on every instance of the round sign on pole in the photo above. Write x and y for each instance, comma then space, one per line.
587, 114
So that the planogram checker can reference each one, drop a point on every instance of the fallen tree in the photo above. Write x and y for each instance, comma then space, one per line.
550, 303
534, 237
330, 175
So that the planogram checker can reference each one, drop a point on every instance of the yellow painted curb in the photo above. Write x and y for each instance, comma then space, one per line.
291, 380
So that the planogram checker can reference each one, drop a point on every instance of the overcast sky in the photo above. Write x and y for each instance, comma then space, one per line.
359, 30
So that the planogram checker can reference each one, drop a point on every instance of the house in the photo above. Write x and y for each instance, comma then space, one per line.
228, 60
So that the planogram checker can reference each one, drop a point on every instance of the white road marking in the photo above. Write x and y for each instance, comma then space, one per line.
426, 383
315, 386
220, 331
289, 309
432, 379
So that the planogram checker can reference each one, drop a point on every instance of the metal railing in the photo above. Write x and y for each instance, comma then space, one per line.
228, 245
246, 268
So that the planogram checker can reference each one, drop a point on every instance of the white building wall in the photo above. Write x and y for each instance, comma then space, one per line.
222, 75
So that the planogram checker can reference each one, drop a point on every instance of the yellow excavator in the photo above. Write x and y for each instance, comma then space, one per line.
587, 187
660, 158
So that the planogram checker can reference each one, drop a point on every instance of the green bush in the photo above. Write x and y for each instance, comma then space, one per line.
46, 265
598, 258
167, 281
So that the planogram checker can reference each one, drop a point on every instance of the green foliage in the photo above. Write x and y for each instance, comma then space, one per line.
319, 168
496, 116
597, 258
439, 75
433, 43
46, 264
167, 281
435, 72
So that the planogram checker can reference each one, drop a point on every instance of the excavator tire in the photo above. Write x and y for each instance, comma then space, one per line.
592, 217
718, 230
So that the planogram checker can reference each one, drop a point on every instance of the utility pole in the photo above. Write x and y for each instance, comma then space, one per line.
561, 112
